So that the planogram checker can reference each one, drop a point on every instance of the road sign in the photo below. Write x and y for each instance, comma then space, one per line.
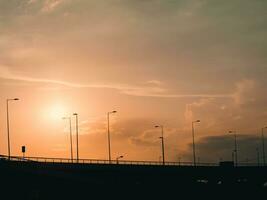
23, 149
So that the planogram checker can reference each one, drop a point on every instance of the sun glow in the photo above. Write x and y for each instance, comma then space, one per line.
56, 112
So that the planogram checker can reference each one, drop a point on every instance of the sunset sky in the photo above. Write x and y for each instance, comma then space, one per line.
156, 62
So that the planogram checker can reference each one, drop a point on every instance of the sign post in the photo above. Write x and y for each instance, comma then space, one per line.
23, 149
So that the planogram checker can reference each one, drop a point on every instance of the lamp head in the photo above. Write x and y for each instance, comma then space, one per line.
75, 114
16, 99
231, 131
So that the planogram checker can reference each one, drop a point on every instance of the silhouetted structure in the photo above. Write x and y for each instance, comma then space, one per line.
40, 180
109, 145
77, 136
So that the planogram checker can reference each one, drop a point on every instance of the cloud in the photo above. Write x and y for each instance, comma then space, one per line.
247, 105
216, 148
155, 82
147, 138
93, 126
32, 1
136, 134
145, 91
189, 115
243, 89
50, 5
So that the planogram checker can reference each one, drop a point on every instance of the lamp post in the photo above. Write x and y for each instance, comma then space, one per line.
193, 137
8, 129
235, 149
233, 156
71, 150
258, 156
117, 159
77, 136
263, 146
109, 146
162, 143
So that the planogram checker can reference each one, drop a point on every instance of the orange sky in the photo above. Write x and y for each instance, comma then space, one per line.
159, 62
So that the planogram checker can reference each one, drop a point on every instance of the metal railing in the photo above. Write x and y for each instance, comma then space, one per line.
104, 162
116, 162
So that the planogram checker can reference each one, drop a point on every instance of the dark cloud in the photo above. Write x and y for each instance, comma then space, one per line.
133, 131
214, 148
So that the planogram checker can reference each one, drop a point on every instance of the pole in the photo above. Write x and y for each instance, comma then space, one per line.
77, 136
8, 129
109, 149
258, 156
236, 151
71, 149
8, 137
162, 145
109, 146
263, 147
117, 159
194, 151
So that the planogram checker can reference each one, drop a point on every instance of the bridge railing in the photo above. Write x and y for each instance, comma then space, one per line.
121, 162
97, 161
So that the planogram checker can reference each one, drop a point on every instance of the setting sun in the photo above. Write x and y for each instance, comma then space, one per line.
55, 112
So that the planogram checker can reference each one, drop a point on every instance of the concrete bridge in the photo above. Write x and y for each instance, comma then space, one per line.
56, 177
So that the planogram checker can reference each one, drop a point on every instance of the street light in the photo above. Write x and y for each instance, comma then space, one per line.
263, 145
109, 148
77, 136
193, 137
8, 129
117, 159
162, 143
233, 156
258, 156
179, 160
71, 150
235, 150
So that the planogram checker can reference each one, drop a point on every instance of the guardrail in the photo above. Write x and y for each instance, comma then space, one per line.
96, 161
120, 162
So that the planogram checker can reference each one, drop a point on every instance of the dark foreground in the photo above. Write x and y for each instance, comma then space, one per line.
32, 180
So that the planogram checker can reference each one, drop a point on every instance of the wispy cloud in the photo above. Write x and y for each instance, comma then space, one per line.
50, 5
32, 1
144, 91
155, 82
